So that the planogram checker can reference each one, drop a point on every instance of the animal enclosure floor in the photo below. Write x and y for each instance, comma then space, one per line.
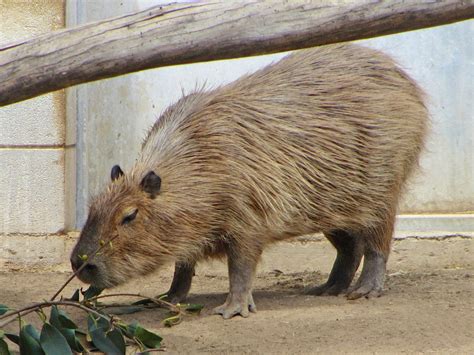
428, 305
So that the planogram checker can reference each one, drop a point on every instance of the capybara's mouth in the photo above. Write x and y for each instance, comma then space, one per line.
92, 275
88, 274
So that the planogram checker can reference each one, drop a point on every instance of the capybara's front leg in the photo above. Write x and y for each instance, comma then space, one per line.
350, 248
181, 284
241, 274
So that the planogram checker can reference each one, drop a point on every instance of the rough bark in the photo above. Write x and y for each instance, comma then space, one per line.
204, 31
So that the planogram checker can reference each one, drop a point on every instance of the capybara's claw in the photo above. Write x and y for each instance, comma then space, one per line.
172, 297
364, 291
326, 290
235, 306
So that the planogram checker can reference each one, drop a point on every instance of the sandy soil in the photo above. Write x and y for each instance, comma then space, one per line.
428, 305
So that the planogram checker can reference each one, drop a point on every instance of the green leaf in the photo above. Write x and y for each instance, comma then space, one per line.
29, 341
149, 339
54, 317
67, 327
143, 302
193, 308
171, 321
3, 309
66, 322
75, 296
128, 330
13, 338
117, 338
97, 323
4, 348
72, 339
60, 319
117, 310
53, 342
104, 336
31, 331
92, 292
110, 342
81, 338
132, 327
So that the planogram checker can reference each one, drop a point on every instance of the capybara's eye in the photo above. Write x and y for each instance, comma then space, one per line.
130, 217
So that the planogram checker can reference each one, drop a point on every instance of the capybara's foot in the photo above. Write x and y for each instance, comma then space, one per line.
326, 289
370, 282
349, 253
238, 304
173, 297
367, 291
183, 275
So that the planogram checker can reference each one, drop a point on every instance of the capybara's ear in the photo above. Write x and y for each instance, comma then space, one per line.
116, 172
151, 184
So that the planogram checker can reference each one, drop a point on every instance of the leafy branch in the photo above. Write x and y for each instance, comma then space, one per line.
104, 332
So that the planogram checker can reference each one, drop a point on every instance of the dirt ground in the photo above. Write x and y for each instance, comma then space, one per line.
428, 305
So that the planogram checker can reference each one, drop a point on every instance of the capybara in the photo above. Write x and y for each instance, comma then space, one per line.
321, 141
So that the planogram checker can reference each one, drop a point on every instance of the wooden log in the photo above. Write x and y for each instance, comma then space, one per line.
204, 31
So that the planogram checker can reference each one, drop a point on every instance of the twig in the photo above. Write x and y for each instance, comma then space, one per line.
168, 305
26, 310
35, 307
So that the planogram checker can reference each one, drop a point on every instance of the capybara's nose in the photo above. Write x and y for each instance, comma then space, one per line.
76, 262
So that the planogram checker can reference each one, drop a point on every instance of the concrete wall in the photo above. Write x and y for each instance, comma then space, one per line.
32, 152
116, 113
441, 60
32, 135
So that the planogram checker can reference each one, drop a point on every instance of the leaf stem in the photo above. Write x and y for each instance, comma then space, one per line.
165, 304
38, 306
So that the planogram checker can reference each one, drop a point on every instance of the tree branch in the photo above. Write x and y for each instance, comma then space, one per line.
204, 31
37, 306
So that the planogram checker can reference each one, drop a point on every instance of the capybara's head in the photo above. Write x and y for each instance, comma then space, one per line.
125, 223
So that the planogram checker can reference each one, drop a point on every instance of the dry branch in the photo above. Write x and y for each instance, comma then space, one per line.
204, 31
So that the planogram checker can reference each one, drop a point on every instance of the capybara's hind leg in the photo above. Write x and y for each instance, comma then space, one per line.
349, 253
376, 252
181, 284
242, 263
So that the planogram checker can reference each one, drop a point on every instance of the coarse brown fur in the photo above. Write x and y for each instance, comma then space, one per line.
322, 141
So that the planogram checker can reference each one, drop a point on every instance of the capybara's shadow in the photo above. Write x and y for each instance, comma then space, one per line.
265, 299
